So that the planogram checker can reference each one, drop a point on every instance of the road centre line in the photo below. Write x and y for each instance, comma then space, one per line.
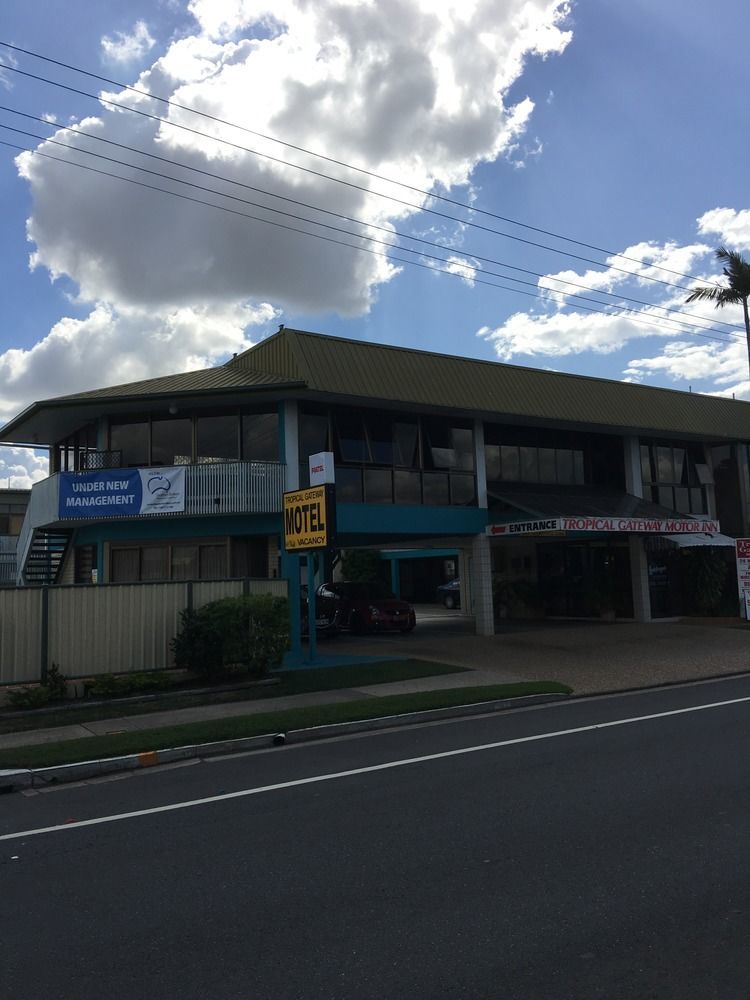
297, 782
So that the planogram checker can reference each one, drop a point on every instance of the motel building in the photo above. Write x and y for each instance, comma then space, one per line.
550, 495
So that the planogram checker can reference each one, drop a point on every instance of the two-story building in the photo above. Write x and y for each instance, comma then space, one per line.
574, 486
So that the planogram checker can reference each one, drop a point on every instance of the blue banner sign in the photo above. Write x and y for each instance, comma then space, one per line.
121, 493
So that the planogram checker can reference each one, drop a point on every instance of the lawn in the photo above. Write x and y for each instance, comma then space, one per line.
96, 747
288, 682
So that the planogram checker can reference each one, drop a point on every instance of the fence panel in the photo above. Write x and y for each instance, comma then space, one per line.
116, 628
205, 591
105, 628
20, 635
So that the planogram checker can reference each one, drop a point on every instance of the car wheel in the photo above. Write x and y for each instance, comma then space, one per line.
449, 601
406, 628
357, 625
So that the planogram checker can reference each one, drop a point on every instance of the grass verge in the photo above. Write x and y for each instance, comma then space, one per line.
96, 747
289, 682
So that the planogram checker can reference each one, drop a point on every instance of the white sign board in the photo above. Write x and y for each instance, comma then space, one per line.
742, 553
673, 526
321, 468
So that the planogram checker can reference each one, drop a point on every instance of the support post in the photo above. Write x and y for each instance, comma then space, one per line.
395, 577
312, 634
639, 579
484, 612
290, 567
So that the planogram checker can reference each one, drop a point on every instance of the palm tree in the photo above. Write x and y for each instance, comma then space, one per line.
737, 270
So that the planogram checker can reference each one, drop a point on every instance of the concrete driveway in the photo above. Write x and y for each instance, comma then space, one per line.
591, 657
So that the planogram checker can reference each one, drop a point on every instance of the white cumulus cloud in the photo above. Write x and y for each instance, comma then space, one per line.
692, 343
20, 468
126, 47
410, 89
727, 226
112, 345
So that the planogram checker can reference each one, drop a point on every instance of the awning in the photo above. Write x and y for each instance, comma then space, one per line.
689, 541
551, 511
572, 501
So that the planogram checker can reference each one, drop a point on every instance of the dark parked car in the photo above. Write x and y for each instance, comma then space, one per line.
449, 594
325, 618
365, 607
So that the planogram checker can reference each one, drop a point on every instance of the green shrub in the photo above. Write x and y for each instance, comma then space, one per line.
113, 686
360, 565
52, 688
56, 684
705, 578
248, 634
29, 697
107, 686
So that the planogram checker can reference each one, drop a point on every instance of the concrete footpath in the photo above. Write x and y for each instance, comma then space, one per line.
591, 658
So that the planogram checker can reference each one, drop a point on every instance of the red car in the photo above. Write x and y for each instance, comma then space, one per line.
365, 607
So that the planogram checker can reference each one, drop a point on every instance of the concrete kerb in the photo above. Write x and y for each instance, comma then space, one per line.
16, 780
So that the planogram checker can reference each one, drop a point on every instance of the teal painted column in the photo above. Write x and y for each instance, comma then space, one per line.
100, 563
290, 566
395, 577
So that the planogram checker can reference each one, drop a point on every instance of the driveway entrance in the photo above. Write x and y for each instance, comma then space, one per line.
591, 657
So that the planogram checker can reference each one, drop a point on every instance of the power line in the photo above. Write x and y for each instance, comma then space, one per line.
347, 218
682, 325
340, 163
635, 316
350, 184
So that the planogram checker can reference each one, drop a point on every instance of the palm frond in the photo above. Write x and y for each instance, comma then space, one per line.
714, 293
736, 269
737, 289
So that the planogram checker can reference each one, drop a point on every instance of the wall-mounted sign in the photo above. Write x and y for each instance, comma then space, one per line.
634, 525
742, 553
309, 519
121, 493
321, 468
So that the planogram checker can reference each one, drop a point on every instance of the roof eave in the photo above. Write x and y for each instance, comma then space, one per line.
102, 402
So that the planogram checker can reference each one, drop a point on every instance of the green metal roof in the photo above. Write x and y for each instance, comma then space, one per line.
203, 380
357, 370
401, 375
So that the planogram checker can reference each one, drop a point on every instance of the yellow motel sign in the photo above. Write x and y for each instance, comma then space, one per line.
309, 517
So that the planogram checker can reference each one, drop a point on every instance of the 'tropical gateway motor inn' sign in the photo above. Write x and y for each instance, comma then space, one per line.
672, 526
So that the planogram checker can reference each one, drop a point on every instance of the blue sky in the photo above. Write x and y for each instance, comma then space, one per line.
615, 124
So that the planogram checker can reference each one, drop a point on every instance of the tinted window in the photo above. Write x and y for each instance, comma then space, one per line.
172, 442
132, 440
216, 438
260, 437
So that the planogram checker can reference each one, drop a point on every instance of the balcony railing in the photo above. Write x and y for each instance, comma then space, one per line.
216, 488
234, 488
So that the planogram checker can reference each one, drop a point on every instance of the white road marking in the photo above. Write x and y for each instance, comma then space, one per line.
333, 776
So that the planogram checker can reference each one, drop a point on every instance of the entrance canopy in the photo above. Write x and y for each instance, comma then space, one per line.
540, 512
689, 541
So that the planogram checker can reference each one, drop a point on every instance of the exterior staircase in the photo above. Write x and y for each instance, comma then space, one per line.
45, 556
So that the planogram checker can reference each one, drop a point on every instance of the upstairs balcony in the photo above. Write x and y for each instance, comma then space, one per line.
210, 488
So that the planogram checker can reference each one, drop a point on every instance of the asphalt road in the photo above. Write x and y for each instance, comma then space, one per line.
601, 862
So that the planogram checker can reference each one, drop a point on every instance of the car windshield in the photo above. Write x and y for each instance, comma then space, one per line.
374, 591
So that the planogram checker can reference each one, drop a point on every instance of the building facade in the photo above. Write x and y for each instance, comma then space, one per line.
561, 495
13, 504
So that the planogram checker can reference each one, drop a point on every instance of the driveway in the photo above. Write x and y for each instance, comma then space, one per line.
591, 657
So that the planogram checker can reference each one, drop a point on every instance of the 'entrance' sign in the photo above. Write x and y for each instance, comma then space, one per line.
309, 517
671, 526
